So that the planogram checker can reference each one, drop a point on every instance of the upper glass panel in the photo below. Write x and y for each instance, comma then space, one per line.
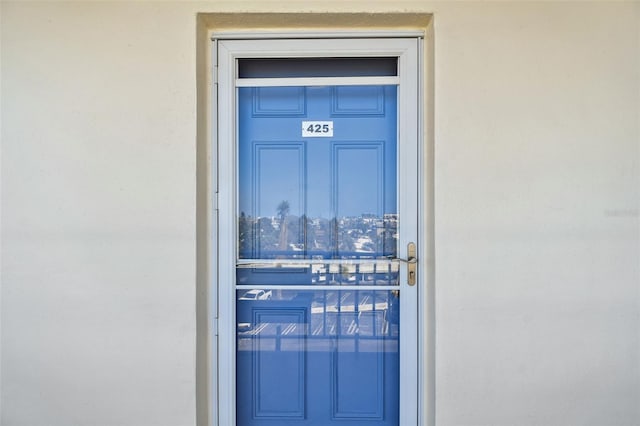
317, 67
317, 183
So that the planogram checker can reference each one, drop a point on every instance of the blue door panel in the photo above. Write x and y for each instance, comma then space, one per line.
310, 357
300, 362
326, 182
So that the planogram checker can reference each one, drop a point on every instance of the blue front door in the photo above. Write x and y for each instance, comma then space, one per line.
317, 289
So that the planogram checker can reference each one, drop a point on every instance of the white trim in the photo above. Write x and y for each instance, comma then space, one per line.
226, 235
423, 341
408, 141
262, 35
213, 232
314, 48
319, 287
317, 81
305, 263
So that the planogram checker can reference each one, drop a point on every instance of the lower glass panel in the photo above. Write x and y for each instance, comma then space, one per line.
308, 357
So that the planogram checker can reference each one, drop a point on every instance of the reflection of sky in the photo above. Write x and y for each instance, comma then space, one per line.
350, 174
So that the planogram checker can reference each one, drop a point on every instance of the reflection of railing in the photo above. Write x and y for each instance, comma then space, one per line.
319, 271
318, 254
344, 316
278, 342
306, 263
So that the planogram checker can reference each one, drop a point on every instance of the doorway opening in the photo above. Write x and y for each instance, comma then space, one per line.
316, 272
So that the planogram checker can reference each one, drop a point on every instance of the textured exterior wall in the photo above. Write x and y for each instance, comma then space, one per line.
536, 207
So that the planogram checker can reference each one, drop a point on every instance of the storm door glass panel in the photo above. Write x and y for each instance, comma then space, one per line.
317, 357
317, 291
317, 185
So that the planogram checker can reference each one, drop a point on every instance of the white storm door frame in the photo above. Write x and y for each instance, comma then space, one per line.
225, 54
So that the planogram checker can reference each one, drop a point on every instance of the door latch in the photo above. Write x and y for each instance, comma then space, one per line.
412, 263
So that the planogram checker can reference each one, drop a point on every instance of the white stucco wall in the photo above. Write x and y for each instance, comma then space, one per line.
537, 214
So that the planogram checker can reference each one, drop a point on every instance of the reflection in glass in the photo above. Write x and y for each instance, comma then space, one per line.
317, 356
317, 198
318, 272
317, 211
287, 236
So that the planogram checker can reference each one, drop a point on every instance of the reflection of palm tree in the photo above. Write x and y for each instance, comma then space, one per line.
283, 212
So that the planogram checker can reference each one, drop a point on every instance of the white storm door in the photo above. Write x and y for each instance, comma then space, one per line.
317, 182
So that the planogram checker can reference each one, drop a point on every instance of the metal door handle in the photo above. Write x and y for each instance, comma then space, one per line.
410, 260
412, 263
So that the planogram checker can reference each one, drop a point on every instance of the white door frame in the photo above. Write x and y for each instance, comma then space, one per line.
225, 53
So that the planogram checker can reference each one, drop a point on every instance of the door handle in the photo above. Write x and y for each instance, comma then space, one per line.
412, 263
